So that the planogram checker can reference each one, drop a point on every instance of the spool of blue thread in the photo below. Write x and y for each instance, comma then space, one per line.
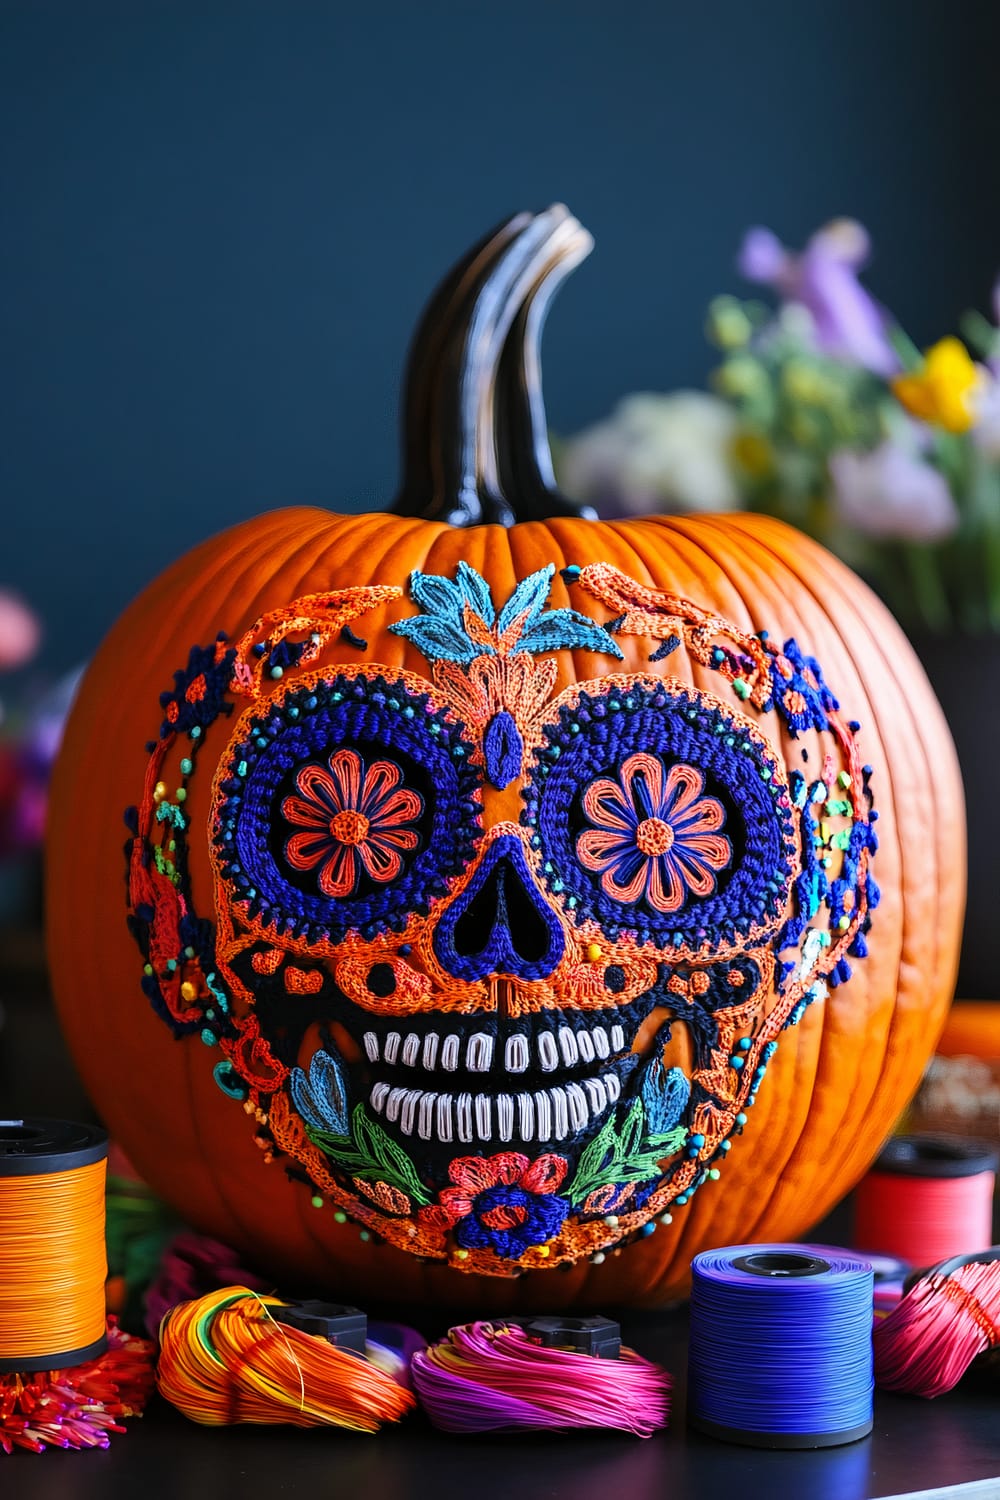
780, 1351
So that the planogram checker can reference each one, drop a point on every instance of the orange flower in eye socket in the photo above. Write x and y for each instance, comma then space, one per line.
655, 836
353, 817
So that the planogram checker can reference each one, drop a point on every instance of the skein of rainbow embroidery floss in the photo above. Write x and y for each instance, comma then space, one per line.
545, 1373
927, 1198
949, 1316
67, 1374
780, 1352
236, 1356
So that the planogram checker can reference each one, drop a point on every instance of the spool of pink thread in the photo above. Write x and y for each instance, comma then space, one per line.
926, 1199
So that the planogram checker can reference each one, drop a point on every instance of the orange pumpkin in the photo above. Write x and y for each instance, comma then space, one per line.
489, 855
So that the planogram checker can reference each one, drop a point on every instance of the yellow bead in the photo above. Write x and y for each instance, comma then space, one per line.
189, 991
159, 791
593, 953
461, 1254
543, 1251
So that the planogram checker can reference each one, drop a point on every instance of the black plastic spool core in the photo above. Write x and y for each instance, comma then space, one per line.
34, 1147
934, 1156
341, 1325
597, 1336
748, 1439
781, 1263
37, 1145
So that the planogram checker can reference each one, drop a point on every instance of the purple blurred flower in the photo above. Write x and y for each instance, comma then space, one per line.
893, 495
193, 1265
848, 321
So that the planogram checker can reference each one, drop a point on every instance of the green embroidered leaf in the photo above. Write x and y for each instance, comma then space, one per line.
369, 1153
670, 1142
622, 1156
594, 1167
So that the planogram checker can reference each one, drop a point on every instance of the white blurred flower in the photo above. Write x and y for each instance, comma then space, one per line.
892, 494
986, 424
655, 453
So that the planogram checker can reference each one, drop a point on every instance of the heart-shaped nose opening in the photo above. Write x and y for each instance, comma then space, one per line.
501, 923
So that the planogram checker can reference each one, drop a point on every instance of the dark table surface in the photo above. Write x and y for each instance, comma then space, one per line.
916, 1445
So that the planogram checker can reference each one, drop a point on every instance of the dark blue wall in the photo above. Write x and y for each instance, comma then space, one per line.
220, 221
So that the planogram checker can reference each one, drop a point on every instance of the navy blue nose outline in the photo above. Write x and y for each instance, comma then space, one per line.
501, 923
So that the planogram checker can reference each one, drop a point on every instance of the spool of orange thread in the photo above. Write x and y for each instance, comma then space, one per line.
53, 1262
926, 1199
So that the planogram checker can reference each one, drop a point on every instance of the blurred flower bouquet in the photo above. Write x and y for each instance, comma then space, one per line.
30, 734
826, 415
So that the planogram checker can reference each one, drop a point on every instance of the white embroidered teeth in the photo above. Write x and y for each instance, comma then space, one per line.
552, 1048
542, 1115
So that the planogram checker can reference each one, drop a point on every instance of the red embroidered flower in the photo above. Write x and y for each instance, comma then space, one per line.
352, 817
655, 835
502, 1203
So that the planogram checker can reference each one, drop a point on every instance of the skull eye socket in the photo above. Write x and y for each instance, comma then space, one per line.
660, 813
348, 805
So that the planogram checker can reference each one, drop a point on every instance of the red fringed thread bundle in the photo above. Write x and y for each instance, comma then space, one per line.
949, 1316
78, 1407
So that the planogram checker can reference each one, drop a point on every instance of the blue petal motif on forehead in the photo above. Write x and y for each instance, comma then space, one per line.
460, 623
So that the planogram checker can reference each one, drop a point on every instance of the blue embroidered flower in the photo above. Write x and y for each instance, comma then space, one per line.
321, 1099
665, 1094
460, 623
502, 1203
799, 692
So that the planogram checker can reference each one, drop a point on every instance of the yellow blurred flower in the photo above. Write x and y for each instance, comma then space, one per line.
942, 391
804, 383
728, 325
752, 453
741, 375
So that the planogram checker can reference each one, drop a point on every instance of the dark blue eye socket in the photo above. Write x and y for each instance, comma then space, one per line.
656, 812
346, 806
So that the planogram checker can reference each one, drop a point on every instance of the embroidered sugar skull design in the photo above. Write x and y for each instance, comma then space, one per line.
495, 970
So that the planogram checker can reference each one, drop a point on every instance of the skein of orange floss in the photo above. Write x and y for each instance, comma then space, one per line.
231, 1357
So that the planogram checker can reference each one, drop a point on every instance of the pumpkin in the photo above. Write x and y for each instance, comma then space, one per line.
500, 884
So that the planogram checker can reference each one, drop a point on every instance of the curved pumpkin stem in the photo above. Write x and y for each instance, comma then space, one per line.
417, 484
451, 469
523, 437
